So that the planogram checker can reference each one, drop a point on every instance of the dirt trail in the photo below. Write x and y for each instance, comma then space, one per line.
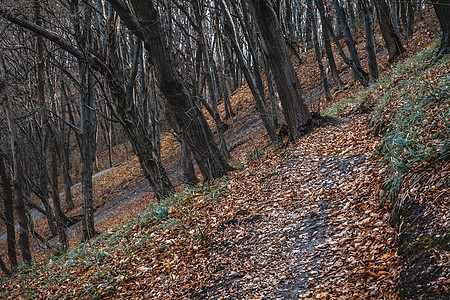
308, 224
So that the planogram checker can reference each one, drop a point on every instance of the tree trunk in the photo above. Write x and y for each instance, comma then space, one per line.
419, 10
351, 44
395, 15
9, 213
259, 98
180, 100
390, 36
19, 202
411, 14
273, 99
87, 123
64, 155
137, 132
326, 88
362, 76
295, 110
370, 39
442, 9
52, 136
222, 71
207, 66
4, 268
61, 218
329, 51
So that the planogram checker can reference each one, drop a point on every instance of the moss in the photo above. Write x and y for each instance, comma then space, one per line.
424, 248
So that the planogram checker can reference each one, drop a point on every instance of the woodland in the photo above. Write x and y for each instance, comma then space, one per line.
224, 149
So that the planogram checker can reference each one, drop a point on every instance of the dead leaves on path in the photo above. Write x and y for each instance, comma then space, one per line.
318, 233
301, 222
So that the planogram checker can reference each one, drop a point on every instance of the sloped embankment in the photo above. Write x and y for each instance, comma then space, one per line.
411, 114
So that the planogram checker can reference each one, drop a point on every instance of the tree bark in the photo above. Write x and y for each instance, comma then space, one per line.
180, 101
361, 75
136, 131
4, 268
370, 39
60, 216
411, 14
87, 102
19, 203
64, 155
442, 9
9, 213
390, 36
329, 51
295, 110
326, 88
207, 66
251, 81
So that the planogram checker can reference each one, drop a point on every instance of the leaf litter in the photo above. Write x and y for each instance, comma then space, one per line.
297, 222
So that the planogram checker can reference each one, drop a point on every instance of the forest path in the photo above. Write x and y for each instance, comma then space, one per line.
307, 224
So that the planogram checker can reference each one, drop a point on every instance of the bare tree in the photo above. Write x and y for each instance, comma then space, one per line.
295, 110
9, 213
146, 26
390, 36
442, 9
19, 203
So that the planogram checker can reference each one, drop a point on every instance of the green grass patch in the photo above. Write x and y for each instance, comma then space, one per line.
412, 114
411, 111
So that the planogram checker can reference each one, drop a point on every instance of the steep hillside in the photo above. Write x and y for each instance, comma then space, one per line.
310, 220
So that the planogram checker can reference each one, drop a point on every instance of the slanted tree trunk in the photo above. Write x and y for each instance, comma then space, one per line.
317, 52
370, 39
207, 67
9, 213
329, 51
4, 268
118, 93
42, 190
295, 110
442, 9
390, 36
60, 216
137, 132
350, 43
361, 75
19, 203
222, 71
251, 81
411, 14
180, 101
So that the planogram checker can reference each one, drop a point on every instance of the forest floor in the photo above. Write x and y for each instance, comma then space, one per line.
292, 221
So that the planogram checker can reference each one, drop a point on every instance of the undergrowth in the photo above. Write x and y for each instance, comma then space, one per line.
413, 113
410, 109
93, 269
